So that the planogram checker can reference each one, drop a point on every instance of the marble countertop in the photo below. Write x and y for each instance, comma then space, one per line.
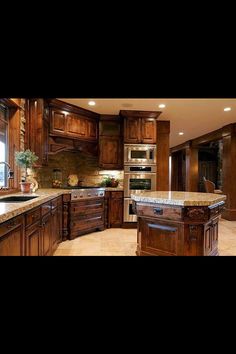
179, 198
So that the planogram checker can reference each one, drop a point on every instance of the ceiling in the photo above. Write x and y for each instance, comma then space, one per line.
194, 117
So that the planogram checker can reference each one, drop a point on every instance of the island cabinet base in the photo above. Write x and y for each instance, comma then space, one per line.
165, 230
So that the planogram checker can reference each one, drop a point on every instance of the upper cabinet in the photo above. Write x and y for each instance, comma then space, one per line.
139, 127
74, 123
110, 142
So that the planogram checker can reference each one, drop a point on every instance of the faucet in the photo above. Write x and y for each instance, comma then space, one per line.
10, 172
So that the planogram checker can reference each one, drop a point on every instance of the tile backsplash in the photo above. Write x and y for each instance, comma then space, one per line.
79, 163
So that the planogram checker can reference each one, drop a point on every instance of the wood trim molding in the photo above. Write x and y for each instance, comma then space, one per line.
71, 108
140, 114
9, 103
207, 138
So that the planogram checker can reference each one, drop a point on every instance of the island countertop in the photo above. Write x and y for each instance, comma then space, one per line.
179, 198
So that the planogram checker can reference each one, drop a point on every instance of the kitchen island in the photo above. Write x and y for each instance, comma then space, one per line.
177, 223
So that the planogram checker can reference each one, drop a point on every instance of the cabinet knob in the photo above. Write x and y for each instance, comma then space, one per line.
158, 211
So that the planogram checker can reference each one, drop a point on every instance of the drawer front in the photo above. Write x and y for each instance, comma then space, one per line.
56, 202
87, 222
46, 208
159, 211
11, 225
33, 216
87, 207
33, 228
117, 195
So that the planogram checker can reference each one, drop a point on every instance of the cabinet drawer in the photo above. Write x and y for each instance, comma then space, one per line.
11, 225
46, 208
87, 207
159, 211
33, 228
87, 222
117, 195
32, 216
56, 202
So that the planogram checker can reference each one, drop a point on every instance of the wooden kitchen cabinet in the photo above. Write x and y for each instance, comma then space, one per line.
46, 232
56, 223
110, 142
37, 130
12, 237
33, 246
72, 125
140, 127
114, 208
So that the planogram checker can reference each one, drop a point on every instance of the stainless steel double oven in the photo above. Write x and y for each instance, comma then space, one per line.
138, 177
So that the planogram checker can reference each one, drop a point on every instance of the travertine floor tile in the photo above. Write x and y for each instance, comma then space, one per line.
122, 242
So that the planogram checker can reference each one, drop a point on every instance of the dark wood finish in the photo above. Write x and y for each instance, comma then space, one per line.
139, 126
46, 232
110, 153
132, 130
192, 177
37, 130
56, 223
114, 208
65, 216
148, 130
166, 230
32, 216
178, 171
70, 108
12, 237
162, 156
33, 240
110, 142
86, 216
229, 171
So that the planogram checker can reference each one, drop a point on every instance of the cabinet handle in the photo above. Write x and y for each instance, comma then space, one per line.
158, 211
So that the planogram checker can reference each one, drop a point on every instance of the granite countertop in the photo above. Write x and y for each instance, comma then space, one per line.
179, 198
10, 210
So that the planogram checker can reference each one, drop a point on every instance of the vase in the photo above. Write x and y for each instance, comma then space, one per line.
25, 187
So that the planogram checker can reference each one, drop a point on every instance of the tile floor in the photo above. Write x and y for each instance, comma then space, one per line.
122, 242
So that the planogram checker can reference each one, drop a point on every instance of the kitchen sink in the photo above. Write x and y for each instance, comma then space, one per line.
17, 199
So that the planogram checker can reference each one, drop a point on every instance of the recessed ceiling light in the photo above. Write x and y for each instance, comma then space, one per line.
92, 103
162, 105
227, 109
181, 133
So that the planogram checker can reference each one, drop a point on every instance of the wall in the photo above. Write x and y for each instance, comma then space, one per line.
84, 165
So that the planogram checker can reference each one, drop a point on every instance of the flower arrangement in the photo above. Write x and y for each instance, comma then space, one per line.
109, 182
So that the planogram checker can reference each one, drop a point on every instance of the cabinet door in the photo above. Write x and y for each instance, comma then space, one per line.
211, 238
159, 238
92, 127
46, 235
110, 153
58, 122
132, 130
148, 128
33, 241
76, 126
116, 209
12, 237
55, 229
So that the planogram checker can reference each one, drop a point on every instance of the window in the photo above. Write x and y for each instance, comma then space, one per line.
4, 116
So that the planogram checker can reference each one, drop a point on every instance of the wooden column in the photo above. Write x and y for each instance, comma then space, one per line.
229, 171
191, 169
163, 151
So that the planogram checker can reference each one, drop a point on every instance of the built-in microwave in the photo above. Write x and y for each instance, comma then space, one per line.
139, 154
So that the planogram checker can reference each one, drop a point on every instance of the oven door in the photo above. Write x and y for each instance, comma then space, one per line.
138, 182
129, 215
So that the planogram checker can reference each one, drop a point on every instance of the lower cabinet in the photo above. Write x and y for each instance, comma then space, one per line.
33, 240
86, 216
12, 237
114, 208
38, 232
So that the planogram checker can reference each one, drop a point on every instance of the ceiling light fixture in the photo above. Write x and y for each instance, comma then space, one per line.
181, 133
227, 109
92, 103
162, 105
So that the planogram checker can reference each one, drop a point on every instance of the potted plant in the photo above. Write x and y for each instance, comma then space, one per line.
25, 159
